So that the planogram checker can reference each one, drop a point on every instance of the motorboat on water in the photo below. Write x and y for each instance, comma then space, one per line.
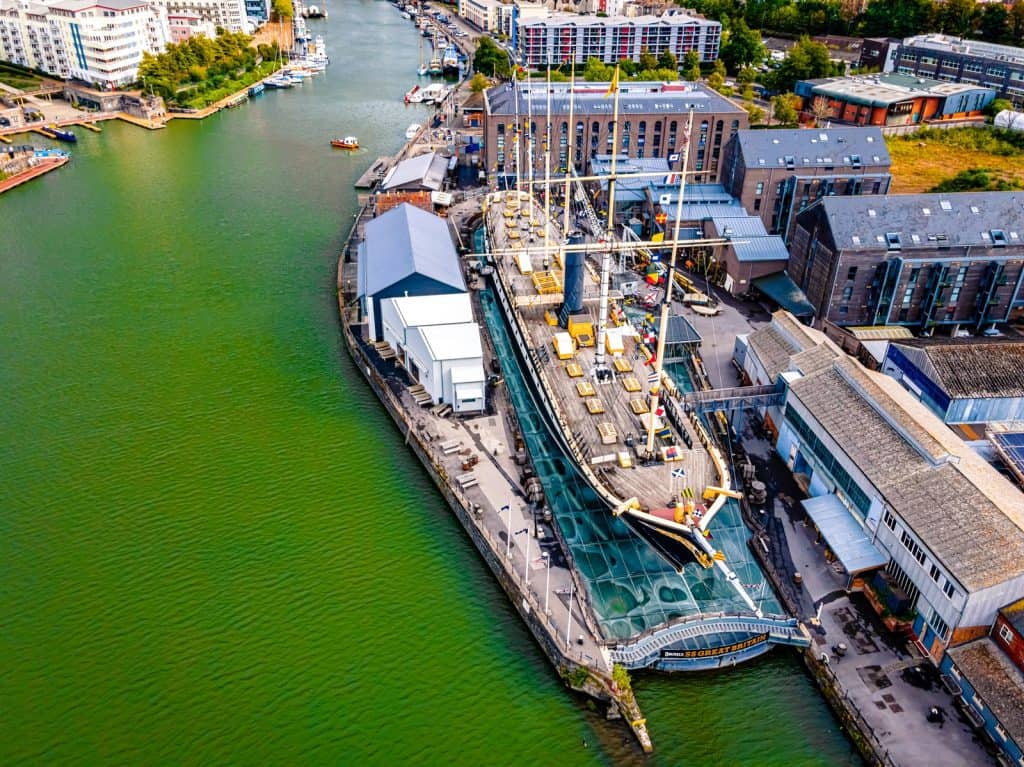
433, 93
62, 135
412, 130
450, 62
349, 142
278, 81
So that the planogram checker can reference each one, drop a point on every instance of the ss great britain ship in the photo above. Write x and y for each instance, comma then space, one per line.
614, 409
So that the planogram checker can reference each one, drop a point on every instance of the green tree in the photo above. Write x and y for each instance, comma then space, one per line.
957, 17
742, 47
282, 9
1016, 23
647, 59
747, 75
490, 59
597, 72
998, 105
897, 18
755, 112
667, 60
784, 108
479, 82
992, 22
807, 60
620, 676
716, 81
691, 66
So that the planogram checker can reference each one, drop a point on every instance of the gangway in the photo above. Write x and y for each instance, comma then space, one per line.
734, 398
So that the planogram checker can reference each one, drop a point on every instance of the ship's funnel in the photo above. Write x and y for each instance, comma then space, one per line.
573, 295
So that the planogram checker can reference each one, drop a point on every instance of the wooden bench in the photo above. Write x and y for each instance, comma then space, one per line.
594, 406
630, 384
585, 388
574, 370
622, 365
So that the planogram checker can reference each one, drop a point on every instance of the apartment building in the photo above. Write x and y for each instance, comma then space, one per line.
951, 59
556, 38
776, 174
653, 120
228, 14
920, 260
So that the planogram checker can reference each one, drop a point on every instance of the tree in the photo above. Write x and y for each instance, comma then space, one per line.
742, 47
897, 18
821, 109
784, 108
1016, 23
490, 59
747, 75
597, 72
479, 82
691, 66
282, 9
957, 17
998, 105
716, 81
807, 60
992, 22
755, 112
647, 59
667, 60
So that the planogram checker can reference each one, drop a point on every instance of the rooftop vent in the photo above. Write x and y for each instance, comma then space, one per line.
998, 238
892, 239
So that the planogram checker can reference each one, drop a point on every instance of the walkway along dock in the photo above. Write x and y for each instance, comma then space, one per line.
489, 503
45, 166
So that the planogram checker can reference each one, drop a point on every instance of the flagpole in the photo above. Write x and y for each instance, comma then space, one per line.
515, 133
606, 259
570, 146
663, 328
529, 143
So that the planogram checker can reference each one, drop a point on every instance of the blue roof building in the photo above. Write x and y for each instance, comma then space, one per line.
406, 252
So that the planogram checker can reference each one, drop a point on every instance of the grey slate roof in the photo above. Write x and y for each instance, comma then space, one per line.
915, 475
767, 248
925, 220
813, 148
406, 241
673, 99
996, 679
426, 171
974, 368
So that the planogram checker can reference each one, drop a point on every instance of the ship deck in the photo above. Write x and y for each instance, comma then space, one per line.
609, 417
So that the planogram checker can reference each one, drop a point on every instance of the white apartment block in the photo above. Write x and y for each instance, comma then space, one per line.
228, 14
97, 41
186, 25
556, 38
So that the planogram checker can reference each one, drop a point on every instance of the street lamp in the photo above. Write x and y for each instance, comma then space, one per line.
547, 581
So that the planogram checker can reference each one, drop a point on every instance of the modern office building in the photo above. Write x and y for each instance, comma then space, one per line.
555, 39
892, 99
653, 120
776, 174
1000, 67
914, 516
100, 42
920, 260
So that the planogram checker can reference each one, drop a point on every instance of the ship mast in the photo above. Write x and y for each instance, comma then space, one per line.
601, 371
570, 148
547, 169
515, 133
529, 142
667, 303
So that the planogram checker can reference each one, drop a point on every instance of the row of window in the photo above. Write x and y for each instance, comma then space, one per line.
840, 476
916, 551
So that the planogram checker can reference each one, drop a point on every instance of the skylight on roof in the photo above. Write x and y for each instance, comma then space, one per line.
869, 139
946, 205
856, 240
823, 137
872, 212
915, 237
926, 211
975, 209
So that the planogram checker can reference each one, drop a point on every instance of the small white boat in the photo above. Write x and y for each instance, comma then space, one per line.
405, 15
415, 96
435, 92
412, 130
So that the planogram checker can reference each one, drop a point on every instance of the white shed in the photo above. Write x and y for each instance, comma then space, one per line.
448, 361
399, 315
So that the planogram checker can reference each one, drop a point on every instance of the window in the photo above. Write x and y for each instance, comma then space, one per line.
940, 626
949, 589
847, 293
851, 274
911, 545
889, 519
757, 204
933, 571
1000, 731
760, 188
1005, 634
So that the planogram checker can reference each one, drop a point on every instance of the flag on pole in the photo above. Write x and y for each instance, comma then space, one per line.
671, 179
652, 377
680, 473
613, 86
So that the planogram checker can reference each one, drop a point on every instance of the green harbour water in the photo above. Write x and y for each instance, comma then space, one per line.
214, 546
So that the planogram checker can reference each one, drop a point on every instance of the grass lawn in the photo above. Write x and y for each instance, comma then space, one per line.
18, 79
922, 160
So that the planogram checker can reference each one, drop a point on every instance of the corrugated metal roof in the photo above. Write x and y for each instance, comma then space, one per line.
813, 147
738, 226
974, 367
845, 536
448, 309
767, 248
925, 220
879, 332
405, 241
